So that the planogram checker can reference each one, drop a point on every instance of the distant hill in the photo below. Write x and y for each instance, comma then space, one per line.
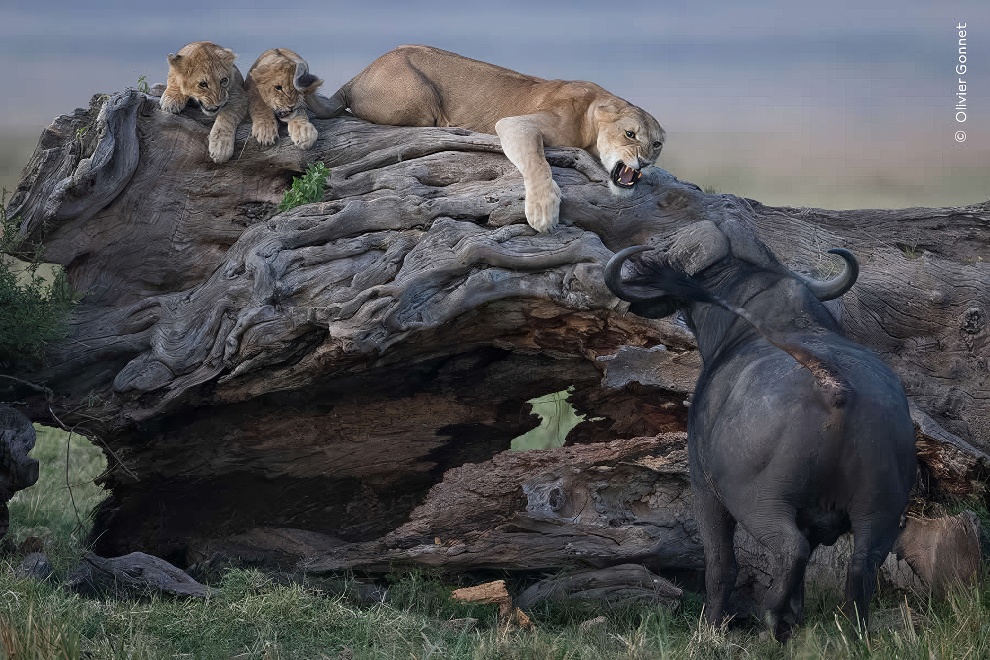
15, 150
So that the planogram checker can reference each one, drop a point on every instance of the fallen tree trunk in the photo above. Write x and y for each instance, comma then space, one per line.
324, 368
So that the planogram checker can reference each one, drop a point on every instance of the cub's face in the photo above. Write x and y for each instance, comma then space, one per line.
203, 71
629, 139
282, 79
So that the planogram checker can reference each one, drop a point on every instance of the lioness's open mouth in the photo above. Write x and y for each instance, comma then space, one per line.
624, 176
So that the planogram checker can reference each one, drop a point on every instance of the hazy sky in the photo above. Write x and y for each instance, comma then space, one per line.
845, 83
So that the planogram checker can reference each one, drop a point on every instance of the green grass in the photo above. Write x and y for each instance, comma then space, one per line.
254, 616
307, 188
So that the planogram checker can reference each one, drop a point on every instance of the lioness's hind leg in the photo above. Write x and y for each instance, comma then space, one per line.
522, 143
302, 132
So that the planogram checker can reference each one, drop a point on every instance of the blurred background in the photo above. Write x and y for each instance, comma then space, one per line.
837, 105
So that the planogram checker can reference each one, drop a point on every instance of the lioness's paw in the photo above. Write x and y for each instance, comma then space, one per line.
266, 133
221, 147
303, 133
543, 206
169, 103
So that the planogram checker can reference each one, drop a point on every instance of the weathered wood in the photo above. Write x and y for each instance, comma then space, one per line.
17, 469
943, 551
135, 574
324, 368
599, 504
35, 566
626, 584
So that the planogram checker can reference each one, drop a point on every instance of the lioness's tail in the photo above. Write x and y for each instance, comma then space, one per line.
328, 108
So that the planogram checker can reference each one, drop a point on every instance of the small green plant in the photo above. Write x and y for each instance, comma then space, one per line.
142, 84
34, 309
307, 188
910, 251
710, 190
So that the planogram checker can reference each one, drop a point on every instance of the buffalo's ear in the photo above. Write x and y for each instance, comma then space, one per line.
656, 308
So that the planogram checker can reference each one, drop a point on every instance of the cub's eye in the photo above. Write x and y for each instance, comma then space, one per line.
278, 87
657, 144
630, 134
203, 84
224, 82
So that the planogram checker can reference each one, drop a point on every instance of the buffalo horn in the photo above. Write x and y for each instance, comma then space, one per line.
613, 274
835, 287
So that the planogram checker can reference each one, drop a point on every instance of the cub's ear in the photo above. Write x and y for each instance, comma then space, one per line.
227, 56
174, 60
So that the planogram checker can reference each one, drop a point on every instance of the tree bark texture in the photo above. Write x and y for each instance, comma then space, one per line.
337, 368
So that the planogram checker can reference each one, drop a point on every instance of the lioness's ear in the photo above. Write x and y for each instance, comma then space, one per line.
606, 110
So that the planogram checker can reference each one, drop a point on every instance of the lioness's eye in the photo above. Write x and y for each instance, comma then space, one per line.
278, 87
223, 82
630, 134
658, 143
203, 84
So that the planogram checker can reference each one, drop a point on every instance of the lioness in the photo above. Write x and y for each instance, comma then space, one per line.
424, 86
277, 85
205, 72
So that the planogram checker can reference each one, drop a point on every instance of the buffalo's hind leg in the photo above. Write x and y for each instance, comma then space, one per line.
717, 527
784, 600
872, 542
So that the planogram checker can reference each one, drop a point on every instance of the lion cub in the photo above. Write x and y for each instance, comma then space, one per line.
205, 72
277, 86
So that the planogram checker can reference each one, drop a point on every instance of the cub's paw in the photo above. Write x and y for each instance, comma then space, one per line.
169, 103
303, 133
221, 147
266, 133
543, 205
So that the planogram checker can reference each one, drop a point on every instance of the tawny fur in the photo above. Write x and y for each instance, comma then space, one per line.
205, 72
425, 86
277, 86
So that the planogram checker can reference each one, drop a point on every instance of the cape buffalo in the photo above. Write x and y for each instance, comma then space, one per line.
794, 431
